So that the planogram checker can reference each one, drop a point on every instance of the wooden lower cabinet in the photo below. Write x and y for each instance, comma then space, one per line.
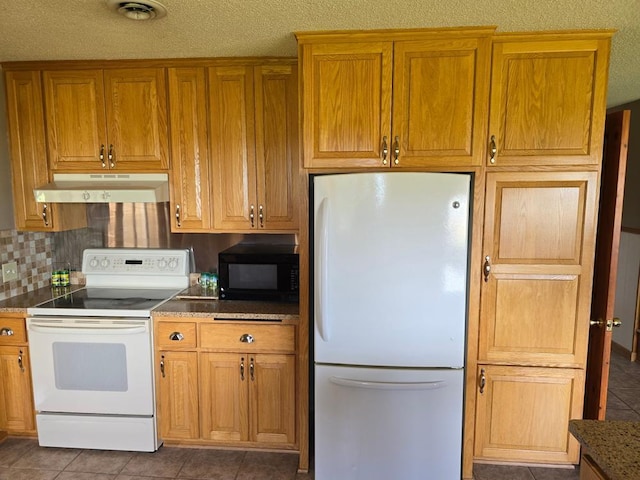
589, 470
523, 413
178, 395
213, 388
248, 397
16, 396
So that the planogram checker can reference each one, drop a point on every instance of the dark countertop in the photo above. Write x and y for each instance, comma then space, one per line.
613, 444
204, 307
20, 303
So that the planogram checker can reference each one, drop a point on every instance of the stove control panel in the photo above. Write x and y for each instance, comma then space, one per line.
139, 261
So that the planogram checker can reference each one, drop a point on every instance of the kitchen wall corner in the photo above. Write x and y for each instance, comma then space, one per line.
33, 252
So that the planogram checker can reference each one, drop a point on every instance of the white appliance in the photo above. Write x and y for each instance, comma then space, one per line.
92, 351
390, 297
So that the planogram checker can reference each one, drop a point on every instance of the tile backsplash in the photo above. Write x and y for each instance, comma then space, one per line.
33, 253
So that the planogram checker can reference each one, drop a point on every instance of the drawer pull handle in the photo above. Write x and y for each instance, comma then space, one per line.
6, 332
242, 369
246, 338
176, 336
483, 381
252, 368
162, 366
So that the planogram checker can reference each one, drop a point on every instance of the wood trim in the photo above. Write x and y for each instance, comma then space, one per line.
473, 323
146, 63
633, 230
386, 35
621, 350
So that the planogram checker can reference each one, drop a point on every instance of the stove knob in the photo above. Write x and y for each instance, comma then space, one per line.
86, 196
93, 263
173, 264
104, 263
162, 263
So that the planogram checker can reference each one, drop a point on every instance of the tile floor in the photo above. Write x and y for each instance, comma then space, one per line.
23, 459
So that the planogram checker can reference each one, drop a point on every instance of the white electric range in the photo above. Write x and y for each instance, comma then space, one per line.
92, 351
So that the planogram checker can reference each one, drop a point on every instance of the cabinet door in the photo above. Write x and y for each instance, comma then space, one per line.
539, 242
223, 396
233, 148
276, 98
272, 397
136, 113
548, 100
76, 130
440, 102
346, 104
190, 184
16, 400
178, 395
29, 167
523, 412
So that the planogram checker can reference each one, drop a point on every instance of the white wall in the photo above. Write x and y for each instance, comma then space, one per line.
6, 202
627, 288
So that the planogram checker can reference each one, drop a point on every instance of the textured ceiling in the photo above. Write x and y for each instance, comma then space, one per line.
87, 29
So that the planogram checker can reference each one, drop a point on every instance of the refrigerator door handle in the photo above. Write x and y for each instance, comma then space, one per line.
348, 382
321, 270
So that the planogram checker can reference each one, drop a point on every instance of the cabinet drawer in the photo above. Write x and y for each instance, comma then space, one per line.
248, 337
12, 331
176, 334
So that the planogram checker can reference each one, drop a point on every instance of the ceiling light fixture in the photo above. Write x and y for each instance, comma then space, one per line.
139, 9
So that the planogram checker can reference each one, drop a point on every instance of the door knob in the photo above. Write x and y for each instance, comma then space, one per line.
609, 324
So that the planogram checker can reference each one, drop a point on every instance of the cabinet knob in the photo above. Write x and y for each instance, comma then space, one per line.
176, 336
261, 215
112, 162
246, 338
252, 215
104, 165
162, 366
483, 380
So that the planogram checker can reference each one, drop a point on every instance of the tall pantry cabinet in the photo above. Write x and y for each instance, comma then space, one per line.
536, 103
547, 112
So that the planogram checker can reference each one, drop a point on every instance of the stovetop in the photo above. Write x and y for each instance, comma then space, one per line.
122, 283
102, 302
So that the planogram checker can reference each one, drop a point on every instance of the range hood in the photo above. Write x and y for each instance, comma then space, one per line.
105, 188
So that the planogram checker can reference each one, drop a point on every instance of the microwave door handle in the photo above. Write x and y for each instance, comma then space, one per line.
321, 254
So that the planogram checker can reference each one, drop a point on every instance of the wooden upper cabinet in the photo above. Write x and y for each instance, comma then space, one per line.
29, 159
440, 98
276, 106
346, 103
190, 168
401, 99
107, 119
539, 242
254, 145
548, 98
233, 147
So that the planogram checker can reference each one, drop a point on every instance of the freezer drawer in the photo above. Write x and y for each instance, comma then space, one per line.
382, 423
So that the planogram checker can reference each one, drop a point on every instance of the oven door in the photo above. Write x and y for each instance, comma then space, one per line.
91, 366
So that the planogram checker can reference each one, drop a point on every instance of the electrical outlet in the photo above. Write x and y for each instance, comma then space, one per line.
9, 271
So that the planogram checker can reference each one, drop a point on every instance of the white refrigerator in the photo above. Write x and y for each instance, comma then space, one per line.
390, 278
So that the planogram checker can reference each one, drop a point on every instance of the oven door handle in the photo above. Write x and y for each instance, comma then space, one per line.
83, 329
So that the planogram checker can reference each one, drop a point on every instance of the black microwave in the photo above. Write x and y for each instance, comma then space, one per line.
259, 272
